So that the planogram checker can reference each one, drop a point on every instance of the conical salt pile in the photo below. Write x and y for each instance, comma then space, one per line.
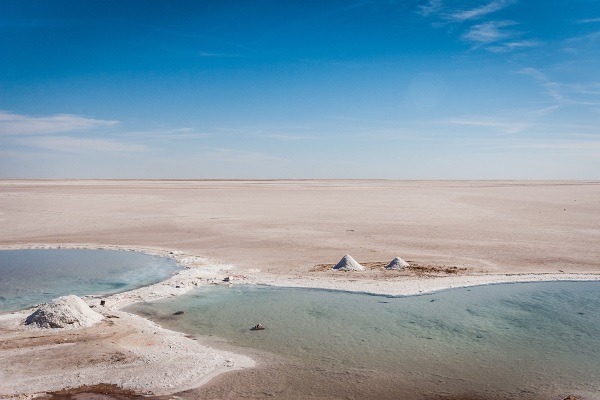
397, 263
347, 263
66, 311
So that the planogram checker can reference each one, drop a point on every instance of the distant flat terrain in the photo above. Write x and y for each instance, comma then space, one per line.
287, 227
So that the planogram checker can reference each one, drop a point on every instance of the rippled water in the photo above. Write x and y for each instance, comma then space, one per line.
29, 277
517, 341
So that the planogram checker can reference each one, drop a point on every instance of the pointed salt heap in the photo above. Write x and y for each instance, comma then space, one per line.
397, 263
64, 312
347, 263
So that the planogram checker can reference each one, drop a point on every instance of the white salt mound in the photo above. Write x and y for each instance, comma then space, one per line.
347, 263
397, 263
66, 311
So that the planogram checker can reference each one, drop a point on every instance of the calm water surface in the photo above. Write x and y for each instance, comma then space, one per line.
29, 277
517, 341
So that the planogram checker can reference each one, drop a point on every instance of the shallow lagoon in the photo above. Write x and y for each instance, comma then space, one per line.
521, 341
29, 277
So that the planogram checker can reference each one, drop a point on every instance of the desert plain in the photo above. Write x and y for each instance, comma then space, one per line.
278, 232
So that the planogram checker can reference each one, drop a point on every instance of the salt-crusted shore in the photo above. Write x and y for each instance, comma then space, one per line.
125, 350
136, 354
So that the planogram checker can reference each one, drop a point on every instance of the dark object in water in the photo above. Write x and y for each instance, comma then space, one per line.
226, 279
257, 327
102, 302
178, 313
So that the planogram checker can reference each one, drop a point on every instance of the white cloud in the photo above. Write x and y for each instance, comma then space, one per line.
287, 137
173, 133
218, 55
589, 37
583, 145
588, 20
432, 7
510, 46
552, 88
593, 89
19, 124
565, 94
77, 145
489, 35
478, 12
488, 32
507, 127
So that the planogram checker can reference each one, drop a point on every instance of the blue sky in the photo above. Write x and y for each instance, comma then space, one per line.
430, 89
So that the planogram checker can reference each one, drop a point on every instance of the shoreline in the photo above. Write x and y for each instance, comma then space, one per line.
149, 358
201, 270
209, 362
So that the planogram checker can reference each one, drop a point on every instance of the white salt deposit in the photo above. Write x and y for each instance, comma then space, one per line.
347, 263
66, 311
397, 263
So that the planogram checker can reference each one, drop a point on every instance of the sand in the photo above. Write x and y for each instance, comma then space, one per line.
284, 233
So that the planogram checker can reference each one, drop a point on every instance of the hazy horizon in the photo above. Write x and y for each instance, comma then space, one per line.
380, 89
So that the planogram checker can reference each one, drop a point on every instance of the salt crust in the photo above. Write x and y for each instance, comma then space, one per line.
201, 271
347, 263
64, 312
397, 263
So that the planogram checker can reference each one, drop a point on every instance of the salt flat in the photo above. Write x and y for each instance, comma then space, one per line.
284, 233
287, 227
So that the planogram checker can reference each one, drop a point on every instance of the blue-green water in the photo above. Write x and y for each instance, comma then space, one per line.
517, 341
29, 277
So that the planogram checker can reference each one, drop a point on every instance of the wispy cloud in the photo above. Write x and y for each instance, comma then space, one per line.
488, 32
495, 38
218, 55
510, 46
588, 20
478, 12
432, 7
565, 94
287, 137
490, 35
557, 144
78, 145
518, 122
507, 127
551, 88
19, 124
566, 146
593, 89
172, 133
588, 37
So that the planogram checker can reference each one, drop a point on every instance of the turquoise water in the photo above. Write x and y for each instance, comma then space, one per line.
517, 341
29, 277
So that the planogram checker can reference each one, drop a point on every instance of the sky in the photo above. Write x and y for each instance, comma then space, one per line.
423, 89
